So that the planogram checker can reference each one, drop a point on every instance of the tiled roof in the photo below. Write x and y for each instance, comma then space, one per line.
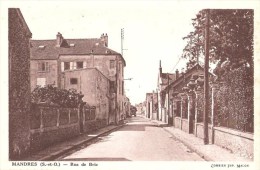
49, 50
178, 80
164, 77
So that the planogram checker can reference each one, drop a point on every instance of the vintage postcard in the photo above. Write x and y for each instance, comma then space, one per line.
129, 84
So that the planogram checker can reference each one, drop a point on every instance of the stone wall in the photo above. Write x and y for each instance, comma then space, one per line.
199, 131
185, 125
236, 141
50, 125
177, 122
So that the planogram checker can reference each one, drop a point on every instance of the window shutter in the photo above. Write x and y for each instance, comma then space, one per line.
39, 66
62, 66
84, 64
74, 65
71, 65
47, 67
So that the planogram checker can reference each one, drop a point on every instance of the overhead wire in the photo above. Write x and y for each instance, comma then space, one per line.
176, 64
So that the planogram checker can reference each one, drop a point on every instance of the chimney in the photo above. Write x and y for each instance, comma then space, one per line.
177, 73
104, 39
59, 39
160, 68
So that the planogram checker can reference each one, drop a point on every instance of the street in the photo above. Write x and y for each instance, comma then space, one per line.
138, 140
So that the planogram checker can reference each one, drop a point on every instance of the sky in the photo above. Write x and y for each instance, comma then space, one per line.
153, 31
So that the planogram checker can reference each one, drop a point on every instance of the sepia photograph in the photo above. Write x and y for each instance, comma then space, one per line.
135, 84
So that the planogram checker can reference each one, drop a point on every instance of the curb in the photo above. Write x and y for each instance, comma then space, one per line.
189, 146
57, 154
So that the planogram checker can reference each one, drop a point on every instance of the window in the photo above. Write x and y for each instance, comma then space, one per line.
112, 87
66, 65
119, 67
43, 67
112, 64
73, 81
79, 65
119, 87
123, 88
41, 82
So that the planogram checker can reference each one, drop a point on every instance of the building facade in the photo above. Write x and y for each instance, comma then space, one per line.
164, 80
151, 106
52, 61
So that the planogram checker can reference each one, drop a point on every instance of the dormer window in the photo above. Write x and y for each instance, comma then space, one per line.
42, 46
72, 45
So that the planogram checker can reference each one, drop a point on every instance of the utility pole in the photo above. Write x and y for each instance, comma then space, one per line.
198, 53
168, 98
122, 39
206, 82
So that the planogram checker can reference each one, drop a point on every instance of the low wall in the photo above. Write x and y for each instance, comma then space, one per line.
238, 142
52, 124
154, 116
199, 131
177, 122
185, 125
92, 125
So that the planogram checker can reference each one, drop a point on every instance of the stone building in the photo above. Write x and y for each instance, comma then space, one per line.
176, 101
164, 80
151, 108
95, 87
19, 84
57, 61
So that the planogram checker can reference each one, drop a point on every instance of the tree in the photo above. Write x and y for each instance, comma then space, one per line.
50, 94
231, 38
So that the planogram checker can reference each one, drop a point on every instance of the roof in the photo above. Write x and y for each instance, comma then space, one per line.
165, 76
50, 51
180, 78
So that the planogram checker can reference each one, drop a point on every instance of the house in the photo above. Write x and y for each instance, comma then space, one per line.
127, 107
180, 98
19, 36
71, 63
151, 107
228, 121
164, 79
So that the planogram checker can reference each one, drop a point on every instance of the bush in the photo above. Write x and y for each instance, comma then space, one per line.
53, 95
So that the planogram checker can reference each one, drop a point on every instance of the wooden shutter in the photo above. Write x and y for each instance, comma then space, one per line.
47, 67
84, 64
71, 65
62, 66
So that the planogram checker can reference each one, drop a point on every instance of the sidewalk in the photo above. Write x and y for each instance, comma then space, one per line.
59, 149
209, 152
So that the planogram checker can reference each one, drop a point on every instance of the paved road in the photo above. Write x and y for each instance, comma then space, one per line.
138, 140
